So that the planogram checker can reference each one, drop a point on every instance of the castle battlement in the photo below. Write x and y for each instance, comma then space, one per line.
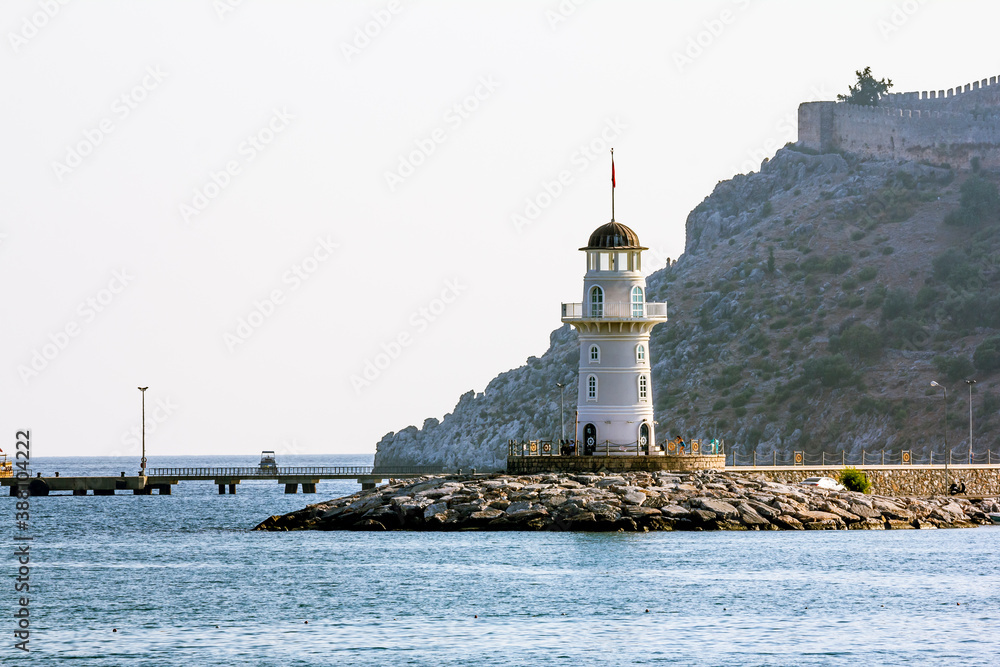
958, 93
946, 126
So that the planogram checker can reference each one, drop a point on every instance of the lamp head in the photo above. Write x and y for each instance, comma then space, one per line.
934, 384
143, 388
970, 382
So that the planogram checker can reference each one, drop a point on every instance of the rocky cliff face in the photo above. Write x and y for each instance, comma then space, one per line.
814, 303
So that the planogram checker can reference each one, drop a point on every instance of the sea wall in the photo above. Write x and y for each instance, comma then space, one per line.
920, 481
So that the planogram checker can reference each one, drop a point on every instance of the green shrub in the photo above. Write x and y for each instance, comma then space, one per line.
741, 399
767, 209
867, 273
980, 203
718, 405
898, 303
987, 355
854, 480
954, 368
860, 342
832, 371
729, 376
853, 301
838, 263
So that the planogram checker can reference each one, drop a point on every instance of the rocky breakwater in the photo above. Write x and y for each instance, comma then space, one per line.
626, 502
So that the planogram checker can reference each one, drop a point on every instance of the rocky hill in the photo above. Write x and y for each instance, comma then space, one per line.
814, 303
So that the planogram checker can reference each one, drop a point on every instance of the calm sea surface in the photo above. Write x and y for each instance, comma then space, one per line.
184, 582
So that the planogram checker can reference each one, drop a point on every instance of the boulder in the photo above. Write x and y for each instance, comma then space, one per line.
435, 508
675, 512
720, 508
518, 506
635, 498
788, 522
487, 514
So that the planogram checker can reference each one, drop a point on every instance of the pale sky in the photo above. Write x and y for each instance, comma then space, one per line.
244, 204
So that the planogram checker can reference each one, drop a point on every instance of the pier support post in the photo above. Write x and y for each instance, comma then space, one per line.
222, 489
365, 486
164, 489
103, 492
291, 488
232, 489
308, 488
79, 492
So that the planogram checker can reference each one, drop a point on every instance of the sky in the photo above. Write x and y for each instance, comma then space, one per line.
304, 224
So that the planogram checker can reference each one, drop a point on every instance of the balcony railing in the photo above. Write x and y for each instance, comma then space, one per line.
620, 310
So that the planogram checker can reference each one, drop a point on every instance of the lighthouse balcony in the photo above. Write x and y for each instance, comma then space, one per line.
620, 311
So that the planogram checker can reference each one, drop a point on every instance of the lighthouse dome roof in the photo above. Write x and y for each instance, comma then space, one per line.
613, 235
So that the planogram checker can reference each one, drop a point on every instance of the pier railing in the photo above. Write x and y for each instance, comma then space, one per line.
608, 448
736, 458
301, 471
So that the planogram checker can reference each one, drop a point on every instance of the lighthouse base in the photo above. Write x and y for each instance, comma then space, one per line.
529, 465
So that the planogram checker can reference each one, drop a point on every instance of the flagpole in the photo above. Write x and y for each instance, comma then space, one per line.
612, 185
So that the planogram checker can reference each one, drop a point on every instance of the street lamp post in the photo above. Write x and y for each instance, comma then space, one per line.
970, 383
142, 462
562, 410
946, 452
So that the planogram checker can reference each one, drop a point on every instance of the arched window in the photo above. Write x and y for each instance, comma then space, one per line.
638, 306
643, 388
596, 301
595, 354
640, 353
591, 387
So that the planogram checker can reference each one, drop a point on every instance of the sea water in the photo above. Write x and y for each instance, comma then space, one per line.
181, 580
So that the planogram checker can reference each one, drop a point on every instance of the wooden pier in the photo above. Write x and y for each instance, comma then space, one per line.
162, 480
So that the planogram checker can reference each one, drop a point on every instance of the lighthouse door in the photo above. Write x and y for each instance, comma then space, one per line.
644, 438
589, 439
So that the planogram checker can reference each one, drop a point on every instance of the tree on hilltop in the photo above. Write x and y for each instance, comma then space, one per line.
867, 91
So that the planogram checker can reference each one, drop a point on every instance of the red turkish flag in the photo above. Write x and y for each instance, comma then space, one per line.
612, 171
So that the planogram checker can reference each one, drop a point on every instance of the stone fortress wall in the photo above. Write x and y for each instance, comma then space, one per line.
950, 126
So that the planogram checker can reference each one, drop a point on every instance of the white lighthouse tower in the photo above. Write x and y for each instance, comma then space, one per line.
615, 402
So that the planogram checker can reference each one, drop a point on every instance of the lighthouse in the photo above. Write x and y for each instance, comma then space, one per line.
613, 322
